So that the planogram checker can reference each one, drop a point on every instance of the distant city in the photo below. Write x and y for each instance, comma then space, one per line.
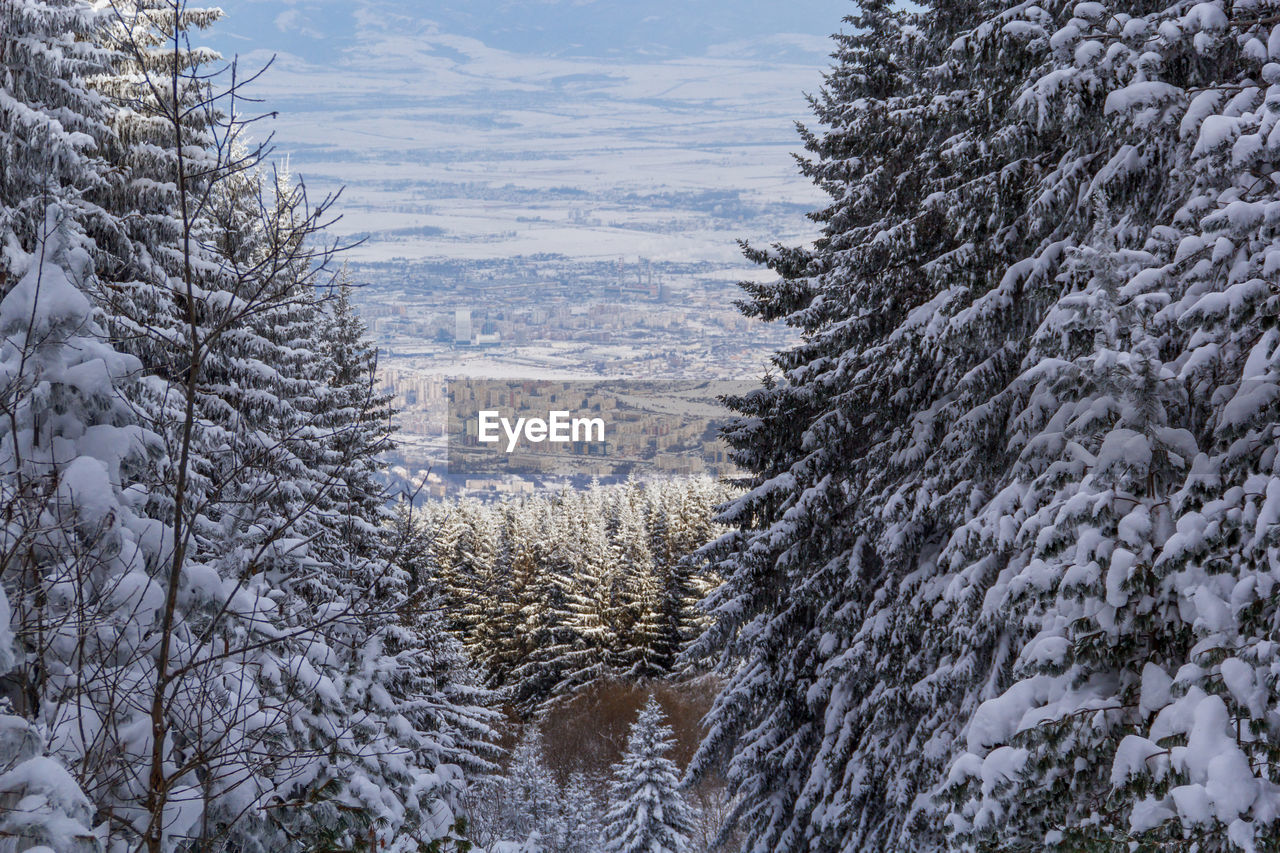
545, 317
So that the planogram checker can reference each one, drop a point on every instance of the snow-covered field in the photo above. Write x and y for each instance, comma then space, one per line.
490, 151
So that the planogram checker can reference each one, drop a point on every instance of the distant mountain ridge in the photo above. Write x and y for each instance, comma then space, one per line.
658, 29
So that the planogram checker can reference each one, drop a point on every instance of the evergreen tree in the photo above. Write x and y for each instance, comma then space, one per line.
52, 124
78, 554
521, 809
409, 540
550, 615
518, 612
1009, 509
166, 510
582, 816
41, 805
355, 423
679, 527
533, 787
955, 180
470, 572
434, 683
594, 599
640, 592
648, 813
158, 150
1136, 549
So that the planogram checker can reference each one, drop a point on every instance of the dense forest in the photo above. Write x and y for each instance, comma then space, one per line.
552, 596
574, 611
1001, 573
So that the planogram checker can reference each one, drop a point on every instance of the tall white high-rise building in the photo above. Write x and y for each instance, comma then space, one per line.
462, 326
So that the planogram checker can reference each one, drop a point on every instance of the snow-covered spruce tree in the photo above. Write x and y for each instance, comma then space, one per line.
52, 123
1141, 522
1028, 519
78, 554
640, 653
519, 612
548, 614
521, 807
248, 508
593, 644
157, 149
533, 791
42, 809
437, 685
270, 679
409, 540
470, 572
356, 422
582, 816
648, 812
545, 618
262, 374
958, 185
680, 521
409, 717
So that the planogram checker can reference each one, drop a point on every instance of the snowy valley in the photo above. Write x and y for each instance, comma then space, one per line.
991, 556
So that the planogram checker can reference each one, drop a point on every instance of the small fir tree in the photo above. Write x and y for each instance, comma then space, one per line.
649, 813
